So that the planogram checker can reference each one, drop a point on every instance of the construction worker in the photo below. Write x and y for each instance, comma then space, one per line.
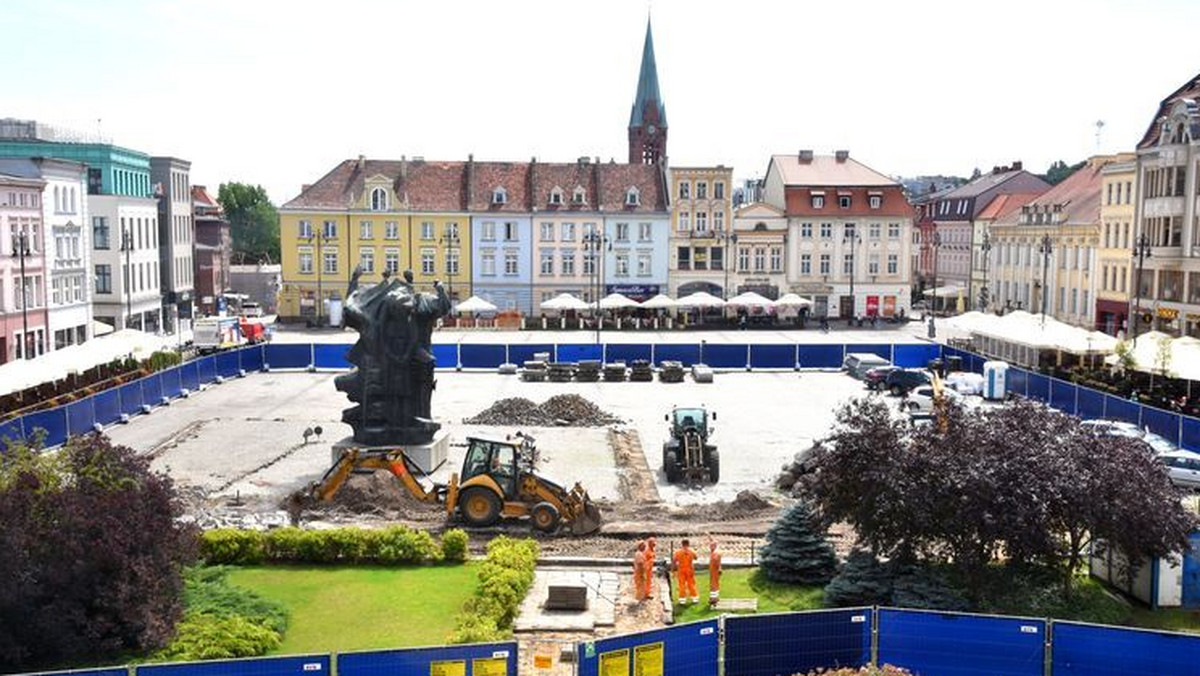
651, 559
639, 572
714, 573
685, 573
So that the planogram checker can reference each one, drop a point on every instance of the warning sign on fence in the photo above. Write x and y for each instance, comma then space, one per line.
648, 660
543, 661
615, 663
489, 666
448, 668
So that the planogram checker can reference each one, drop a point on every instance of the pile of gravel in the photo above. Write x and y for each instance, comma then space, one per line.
562, 410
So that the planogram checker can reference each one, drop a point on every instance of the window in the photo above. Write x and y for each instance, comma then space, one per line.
685, 190
643, 265
556, 196
579, 196
806, 265
632, 199
428, 262
391, 261
818, 201
622, 265
701, 221
875, 201
844, 201
510, 263
547, 232
330, 266
546, 256
568, 232
826, 231
847, 264
364, 230
305, 229
100, 232
719, 221
719, 190
452, 262
568, 262
330, 229
379, 200
622, 232
391, 230
893, 264
685, 222
489, 231
701, 190
589, 263
644, 232
499, 196
684, 258
700, 258
824, 265
1108, 199
306, 262
427, 230
893, 231
873, 264
103, 279
849, 231
776, 259
366, 260
806, 230
510, 231
716, 259
488, 264
760, 259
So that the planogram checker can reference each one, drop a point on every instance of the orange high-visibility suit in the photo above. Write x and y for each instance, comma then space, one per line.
651, 558
685, 574
714, 576
639, 572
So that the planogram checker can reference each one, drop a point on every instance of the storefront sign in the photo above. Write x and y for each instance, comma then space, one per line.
872, 306
635, 291
889, 306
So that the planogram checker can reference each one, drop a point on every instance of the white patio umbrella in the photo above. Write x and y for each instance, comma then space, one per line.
565, 301
792, 300
700, 299
475, 304
750, 299
616, 301
660, 302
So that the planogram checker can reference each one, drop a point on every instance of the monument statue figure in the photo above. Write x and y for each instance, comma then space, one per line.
392, 384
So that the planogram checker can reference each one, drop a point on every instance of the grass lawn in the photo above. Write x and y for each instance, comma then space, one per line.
746, 583
362, 608
1169, 619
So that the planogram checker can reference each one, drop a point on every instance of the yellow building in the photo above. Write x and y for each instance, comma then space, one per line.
1118, 197
382, 216
701, 230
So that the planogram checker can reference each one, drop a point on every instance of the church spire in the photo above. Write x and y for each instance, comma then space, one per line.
648, 117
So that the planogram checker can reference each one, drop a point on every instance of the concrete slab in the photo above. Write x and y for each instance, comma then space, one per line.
603, 590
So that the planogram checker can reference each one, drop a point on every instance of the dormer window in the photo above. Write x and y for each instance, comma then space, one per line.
379, 200
499, 195
632, 198
844, 201
818, 201
579, 196
876, 201
556, 196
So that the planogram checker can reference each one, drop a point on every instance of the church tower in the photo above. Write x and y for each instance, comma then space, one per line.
648, 119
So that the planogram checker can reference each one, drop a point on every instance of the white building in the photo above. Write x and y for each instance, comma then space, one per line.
760, 251
172, 182
125, 242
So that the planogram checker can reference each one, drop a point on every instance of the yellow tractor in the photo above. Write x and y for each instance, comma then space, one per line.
498, 481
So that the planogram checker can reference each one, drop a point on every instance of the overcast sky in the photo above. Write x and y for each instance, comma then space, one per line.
278, 92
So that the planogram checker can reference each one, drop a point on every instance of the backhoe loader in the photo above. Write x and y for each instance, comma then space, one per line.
498, 481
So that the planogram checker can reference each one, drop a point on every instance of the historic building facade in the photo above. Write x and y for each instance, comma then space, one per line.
176, 236
23, 325
759, 251
1118, 194
701, 232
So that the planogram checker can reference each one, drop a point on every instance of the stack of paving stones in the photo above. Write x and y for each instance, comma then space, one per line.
534, 371
588, 371
670, 372
614, 372
640, 371
560, 372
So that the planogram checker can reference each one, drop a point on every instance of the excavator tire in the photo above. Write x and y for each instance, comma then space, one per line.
479, 506
714, 466
544, 517
671, 467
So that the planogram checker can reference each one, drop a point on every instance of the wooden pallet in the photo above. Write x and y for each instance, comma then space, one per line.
738, 605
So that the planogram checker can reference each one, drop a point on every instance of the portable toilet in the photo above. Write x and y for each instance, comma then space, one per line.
995, 374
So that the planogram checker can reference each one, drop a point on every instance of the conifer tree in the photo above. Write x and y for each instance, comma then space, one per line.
797, 551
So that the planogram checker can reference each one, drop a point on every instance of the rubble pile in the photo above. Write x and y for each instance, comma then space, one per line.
562, 410
504, 412
640, 371
670, 372
788, 480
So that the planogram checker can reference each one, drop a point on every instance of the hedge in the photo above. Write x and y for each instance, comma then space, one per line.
394, 545
504, 579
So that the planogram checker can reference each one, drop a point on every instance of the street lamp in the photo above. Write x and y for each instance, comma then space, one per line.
986, 247
729, 239
323, 238
936, 244
851, 235
595, 243
1045, 248
1141, 251
21, 252
450, 241
127, 248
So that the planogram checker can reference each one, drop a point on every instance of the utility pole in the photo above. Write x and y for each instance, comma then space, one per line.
1045, 248
1141, 251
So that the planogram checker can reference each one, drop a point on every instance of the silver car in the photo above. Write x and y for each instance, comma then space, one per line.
1183, 467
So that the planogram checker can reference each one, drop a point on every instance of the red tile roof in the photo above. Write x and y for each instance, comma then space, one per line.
1078, 195
1005, 204
1189, 90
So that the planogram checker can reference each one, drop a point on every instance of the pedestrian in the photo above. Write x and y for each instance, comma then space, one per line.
714, 573
651, 561
685, 573
639, 572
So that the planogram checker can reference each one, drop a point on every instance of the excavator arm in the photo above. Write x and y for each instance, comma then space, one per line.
392, 460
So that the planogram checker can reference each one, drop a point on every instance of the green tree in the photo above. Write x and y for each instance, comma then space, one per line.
797, 551
253, 221
1060, 170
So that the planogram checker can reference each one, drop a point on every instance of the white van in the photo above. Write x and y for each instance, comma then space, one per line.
858, 363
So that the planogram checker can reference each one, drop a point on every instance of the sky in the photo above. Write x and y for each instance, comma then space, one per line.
276, 93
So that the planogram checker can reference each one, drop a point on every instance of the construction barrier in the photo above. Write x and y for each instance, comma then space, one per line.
482, 659
296, 665
797, 643
953, 644
683, 650
1091, 650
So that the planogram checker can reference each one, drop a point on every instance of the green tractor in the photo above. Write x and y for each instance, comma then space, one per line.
687, 455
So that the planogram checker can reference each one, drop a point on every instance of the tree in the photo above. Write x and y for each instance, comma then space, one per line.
862, 581
1059, 170
91, 555
797, 551
253, 220
1125, 357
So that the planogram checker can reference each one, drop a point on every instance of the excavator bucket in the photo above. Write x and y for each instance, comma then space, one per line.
587, 515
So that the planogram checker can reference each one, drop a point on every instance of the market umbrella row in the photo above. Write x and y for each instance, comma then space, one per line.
698, 300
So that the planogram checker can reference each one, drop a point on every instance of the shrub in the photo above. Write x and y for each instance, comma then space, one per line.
389, 546
797, 551
233, 546
209, 637
885, 670
207, 591
454, 545
504, 579
283, 545
862, 581
398, 544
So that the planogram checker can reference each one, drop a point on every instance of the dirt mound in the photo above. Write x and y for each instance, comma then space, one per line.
746, 504
562, 410
378, 494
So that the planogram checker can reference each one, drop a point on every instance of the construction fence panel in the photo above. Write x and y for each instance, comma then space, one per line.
11, 431
52, 421
628, 352
297, 665
772, 356
951, 644
797, 643
482, 659
206, 369
519, 354
172, 380
914, 356
109, 671
1189, 437
1091, 404
1017, 381
152, 390
1038, 388
189, 376
81, 415
688, 353
1162, 423
574, 352
445, 355
1092, 650
721, 356
1116, 408
251, 358
1062, 395
331, 357
682, 650
107, 406
227, 364
481, 356
288, 356
131, 397
822, 356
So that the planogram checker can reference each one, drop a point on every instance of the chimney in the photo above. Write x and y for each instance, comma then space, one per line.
584, 160
533, 184
805, 156
470, 187
403, 167
1017, 166
841, 155
362, 162
996, 170
597, 175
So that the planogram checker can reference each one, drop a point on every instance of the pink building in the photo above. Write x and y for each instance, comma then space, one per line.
22, 268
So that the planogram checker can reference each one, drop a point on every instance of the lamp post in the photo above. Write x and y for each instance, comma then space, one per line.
127, 278
1141, 251
21, 252
730, 240
936, 244
451, 242
323, 238
1046, 247
986, 248
851, 235
594, 243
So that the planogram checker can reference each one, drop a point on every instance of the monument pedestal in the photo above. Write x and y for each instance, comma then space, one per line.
426, 456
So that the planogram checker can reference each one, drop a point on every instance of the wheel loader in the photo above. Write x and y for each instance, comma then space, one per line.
687, 455
498, 480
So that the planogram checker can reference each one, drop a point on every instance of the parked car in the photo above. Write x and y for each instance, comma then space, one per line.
874, 377
251, 309
920, 400
902, 381
858, 363
1183, 467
